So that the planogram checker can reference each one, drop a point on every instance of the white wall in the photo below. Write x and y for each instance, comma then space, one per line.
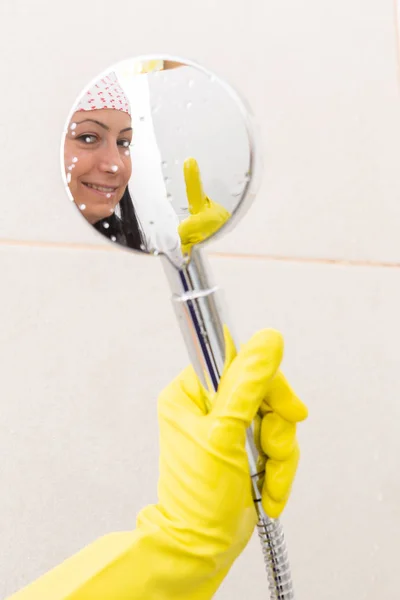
86, 333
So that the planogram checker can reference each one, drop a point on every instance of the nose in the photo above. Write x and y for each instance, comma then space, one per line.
110, 160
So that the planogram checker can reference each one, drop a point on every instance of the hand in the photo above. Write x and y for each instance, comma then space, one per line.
184, 546
205, 501
206, 216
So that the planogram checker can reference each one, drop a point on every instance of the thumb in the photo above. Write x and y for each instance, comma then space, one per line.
247, 380
194, 188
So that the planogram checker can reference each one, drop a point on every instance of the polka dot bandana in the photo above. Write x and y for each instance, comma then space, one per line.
106, 93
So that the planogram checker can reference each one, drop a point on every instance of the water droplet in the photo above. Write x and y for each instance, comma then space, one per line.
106, 225
151, 222
70, 167
191, 83
141, 118
142, 247
69, 177
167, 180
179, 129
114, 168
176, 161
155, 108
73, 126
164, 164
113, 238
108, 195
189, 105
73, 133
82, 206
127, 153
75, 159
169, 196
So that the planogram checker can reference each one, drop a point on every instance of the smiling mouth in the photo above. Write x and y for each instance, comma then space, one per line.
101, 188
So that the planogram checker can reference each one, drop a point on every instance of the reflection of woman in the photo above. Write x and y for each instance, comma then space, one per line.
98, 168
98, 163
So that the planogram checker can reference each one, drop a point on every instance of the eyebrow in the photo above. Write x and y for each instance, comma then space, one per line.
102, 125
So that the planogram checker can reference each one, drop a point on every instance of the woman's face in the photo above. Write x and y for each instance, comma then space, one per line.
97, 160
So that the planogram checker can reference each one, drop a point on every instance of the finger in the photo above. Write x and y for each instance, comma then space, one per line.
230, 349
282, 400
194, 187
279, 476
272, 508
277, 436
246, 382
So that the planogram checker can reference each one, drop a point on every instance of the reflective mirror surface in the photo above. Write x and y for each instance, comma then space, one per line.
158, 155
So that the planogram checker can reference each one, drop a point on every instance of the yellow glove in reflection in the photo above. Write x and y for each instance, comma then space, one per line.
184, 546
206, 216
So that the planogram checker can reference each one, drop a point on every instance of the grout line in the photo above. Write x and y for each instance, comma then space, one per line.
307, 260
57, 245
228, 255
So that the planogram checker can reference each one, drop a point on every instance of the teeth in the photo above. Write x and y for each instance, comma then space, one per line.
100, 188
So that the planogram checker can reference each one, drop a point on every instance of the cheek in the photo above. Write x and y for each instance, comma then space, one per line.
128, 168
77, 164
68, 154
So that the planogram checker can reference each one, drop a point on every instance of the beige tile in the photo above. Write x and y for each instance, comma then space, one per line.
341, 330
87, 341
326, 94
78, 428
46, 65
321, 80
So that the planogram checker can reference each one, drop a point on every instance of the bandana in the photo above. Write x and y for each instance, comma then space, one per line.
106, 93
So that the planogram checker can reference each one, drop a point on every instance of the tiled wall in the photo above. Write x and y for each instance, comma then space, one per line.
88, 337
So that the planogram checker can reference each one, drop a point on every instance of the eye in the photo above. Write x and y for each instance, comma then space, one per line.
87, 138
124, 143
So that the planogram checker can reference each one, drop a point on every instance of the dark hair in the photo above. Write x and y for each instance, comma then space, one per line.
125, 229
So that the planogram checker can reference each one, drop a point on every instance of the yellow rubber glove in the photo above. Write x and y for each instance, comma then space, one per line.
277, 442
206, 216
184, 546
